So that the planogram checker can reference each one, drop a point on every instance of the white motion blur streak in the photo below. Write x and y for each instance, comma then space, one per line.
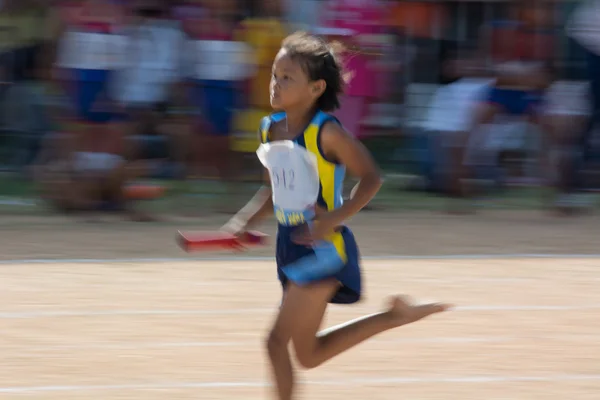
221, 60
91, 50
584, 25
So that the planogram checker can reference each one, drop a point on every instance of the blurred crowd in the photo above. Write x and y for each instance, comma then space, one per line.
97, 94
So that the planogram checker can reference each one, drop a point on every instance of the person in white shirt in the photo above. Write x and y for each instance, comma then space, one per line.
85, 169
218, 68
148, 84
451, 115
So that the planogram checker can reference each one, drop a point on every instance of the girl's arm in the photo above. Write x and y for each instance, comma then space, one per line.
259, 207
341, 147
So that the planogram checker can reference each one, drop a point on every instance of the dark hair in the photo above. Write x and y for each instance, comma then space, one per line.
319, 61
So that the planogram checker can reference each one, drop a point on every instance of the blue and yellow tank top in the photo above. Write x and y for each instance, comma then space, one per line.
331, 174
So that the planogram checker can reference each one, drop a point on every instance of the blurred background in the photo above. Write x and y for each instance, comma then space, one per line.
151, 107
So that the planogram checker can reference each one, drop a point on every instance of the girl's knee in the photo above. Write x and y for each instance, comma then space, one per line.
276, 343
307, 353
307, 360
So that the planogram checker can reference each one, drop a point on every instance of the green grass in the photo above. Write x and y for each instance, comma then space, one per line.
14, 186
19, 196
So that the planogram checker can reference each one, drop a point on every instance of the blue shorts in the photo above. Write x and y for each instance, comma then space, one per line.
515, 102
90, 96
303, 265
217, 101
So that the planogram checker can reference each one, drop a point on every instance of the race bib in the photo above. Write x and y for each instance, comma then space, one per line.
294, 174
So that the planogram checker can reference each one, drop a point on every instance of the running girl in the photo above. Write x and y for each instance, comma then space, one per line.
306, 152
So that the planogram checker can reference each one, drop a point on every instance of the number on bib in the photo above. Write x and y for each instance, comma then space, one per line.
283, 178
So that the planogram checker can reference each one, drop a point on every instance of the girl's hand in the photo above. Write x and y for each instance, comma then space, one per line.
236, 226
318, 230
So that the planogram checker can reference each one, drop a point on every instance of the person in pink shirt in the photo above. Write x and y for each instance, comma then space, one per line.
357, 24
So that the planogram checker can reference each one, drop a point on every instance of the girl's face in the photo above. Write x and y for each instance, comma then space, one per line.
290, 86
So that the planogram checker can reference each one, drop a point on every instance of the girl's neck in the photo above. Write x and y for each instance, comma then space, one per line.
298, 120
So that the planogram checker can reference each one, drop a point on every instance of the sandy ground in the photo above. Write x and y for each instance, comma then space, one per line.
423, 233
524, 328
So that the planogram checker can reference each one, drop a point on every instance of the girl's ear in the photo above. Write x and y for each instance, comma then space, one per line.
318, 87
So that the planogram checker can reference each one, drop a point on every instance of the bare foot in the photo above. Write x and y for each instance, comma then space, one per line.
402, 311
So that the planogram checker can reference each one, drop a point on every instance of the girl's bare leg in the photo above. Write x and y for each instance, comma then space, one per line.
320, 347
278, 347
300, 319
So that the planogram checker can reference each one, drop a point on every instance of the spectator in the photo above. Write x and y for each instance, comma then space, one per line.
522, 53
264, 33
86, 182
450, 117
90, 51
149, 84
219, 65
90, 161
362, 22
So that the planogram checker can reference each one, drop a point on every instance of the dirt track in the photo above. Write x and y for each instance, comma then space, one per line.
426, 233
524, 328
